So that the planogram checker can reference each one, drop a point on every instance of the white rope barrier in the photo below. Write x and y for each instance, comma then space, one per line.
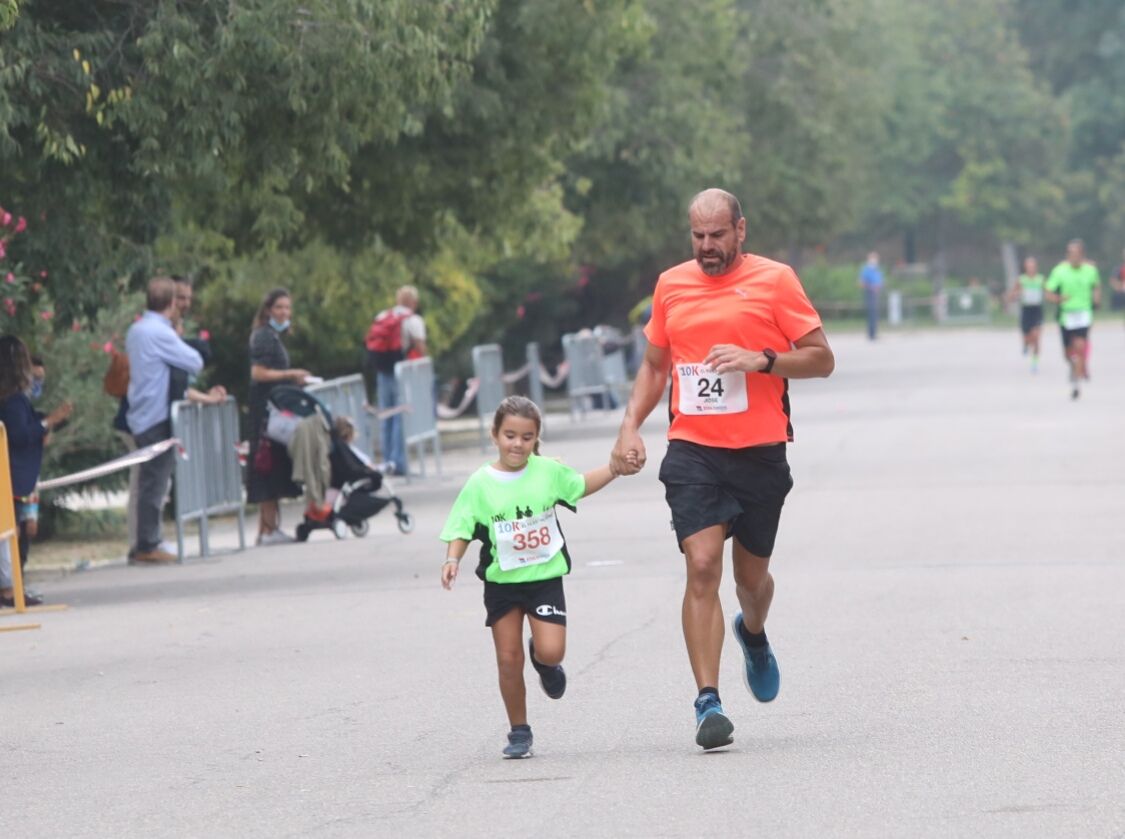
133, 458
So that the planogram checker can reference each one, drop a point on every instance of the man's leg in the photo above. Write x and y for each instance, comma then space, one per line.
151, 490
702, 611
754, 587
387, 396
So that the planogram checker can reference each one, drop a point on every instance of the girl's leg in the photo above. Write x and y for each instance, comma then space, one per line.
507, 635
267, 517
550, 641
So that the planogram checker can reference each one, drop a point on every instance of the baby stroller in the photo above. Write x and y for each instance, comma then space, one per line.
362, 490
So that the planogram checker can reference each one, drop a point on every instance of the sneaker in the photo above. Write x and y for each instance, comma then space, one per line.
761, 673
713, 729
318, 512
29, 599
153, 557
519, 744
552, 679
275, 537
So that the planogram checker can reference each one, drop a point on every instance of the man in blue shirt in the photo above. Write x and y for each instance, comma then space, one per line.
871, 281
154, 348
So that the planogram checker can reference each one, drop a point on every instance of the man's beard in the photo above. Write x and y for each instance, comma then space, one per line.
726, 260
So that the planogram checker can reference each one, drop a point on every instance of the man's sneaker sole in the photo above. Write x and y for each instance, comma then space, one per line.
524, 756
714, 731
746, 663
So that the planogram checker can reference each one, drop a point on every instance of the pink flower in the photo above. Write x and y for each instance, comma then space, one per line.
10, 306
10, 279
21, 225
204, 335
37, 287
5, 218
520, 312
107, 347
3, 249
43, 274
76, 327
46, 314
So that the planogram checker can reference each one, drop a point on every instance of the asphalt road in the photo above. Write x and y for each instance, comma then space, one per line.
949, 620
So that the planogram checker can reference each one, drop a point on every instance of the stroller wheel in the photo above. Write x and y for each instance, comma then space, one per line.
340, 528
302, 532
405, 522
360, 529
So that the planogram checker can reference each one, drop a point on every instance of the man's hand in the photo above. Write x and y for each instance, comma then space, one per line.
628, 456
299, 376
728, 358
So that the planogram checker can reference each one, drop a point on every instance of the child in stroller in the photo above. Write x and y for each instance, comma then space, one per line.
357, 490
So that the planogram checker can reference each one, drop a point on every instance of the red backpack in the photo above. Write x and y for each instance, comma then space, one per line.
385, 334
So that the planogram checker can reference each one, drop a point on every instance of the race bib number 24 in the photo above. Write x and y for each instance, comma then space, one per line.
704, 392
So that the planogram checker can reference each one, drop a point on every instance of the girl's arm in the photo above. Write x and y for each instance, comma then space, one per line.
453, 553
598, 478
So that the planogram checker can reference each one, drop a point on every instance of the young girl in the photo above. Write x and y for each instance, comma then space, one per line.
510, 507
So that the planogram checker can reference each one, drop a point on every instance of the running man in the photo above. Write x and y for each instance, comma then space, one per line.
733, 328
1029, 289
1075, 285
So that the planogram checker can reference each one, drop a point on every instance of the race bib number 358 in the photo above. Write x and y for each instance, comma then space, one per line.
704, 392
530, 541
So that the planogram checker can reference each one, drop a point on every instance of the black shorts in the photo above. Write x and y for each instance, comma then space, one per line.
1031, 317
1068, 335
743, 489
543, 600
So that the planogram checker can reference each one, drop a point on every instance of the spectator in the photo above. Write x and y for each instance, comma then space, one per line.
27, 429
269, 476
871, 281
154, 349
396, 333
181, 382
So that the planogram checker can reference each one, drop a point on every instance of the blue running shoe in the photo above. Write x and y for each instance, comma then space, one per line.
761, 674
552, 679
712, 727
519, 744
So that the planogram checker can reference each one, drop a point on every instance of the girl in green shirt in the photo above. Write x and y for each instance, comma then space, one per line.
509, 507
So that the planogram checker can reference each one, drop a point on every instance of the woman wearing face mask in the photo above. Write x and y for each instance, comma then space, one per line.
269, 366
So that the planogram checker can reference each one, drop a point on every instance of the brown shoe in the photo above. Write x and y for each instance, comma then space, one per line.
153, 556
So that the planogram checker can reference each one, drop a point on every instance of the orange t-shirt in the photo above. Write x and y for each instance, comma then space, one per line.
759, 303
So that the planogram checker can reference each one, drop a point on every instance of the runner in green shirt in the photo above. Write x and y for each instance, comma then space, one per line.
1076, 287
509, 506
1029, 291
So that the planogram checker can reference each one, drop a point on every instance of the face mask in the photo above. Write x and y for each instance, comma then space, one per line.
36, 389
280, 327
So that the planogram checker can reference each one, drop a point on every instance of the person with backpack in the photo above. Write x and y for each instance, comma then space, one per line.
395, 334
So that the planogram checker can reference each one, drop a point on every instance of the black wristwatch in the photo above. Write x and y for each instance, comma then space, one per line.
771, 357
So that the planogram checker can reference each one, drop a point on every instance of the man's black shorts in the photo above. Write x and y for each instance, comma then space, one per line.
1068, 335
543, 600
741, 488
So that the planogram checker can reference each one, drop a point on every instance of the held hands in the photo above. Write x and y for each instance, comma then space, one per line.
728, 358
628, 456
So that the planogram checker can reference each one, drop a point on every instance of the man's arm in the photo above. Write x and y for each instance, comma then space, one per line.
810, 358
172, 350
628, 455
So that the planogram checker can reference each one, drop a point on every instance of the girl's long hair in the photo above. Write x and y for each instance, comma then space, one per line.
518, 406
15, 366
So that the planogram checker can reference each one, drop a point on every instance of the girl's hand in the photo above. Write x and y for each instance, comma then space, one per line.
449, 571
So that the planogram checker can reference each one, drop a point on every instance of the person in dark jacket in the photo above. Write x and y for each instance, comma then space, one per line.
27, 429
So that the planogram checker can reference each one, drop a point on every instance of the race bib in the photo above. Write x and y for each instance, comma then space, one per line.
704, 392
530, 541
1031, 296
1077, 319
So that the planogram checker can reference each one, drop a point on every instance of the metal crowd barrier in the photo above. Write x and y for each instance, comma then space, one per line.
534, 378
963, 305
416, 388
347, 396
208, 477
488, 367
587, 372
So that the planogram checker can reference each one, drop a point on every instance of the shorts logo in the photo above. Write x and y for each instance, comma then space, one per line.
545, 610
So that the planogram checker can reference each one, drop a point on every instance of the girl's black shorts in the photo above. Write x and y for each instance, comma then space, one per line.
543, 600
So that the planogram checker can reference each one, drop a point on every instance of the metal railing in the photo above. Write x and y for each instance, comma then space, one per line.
587, 373
488, 367
419, 424
208, 477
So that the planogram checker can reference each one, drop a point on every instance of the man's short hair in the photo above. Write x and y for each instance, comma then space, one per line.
728, 198
407, 292
1077, 243
183, 279
160, 294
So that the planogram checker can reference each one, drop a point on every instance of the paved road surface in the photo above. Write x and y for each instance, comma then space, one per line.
950, 622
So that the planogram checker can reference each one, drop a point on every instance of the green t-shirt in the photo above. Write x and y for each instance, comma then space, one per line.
1076, 284
1031, 290
491, 504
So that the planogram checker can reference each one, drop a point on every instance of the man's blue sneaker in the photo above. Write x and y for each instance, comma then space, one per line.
519, 744
761, 673
552, 679
712, 727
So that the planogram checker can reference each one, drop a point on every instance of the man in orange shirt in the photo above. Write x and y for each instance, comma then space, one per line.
732, 328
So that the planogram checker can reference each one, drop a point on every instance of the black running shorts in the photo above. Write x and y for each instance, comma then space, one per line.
1068, 335
743, 489
1031, 317
543, 600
